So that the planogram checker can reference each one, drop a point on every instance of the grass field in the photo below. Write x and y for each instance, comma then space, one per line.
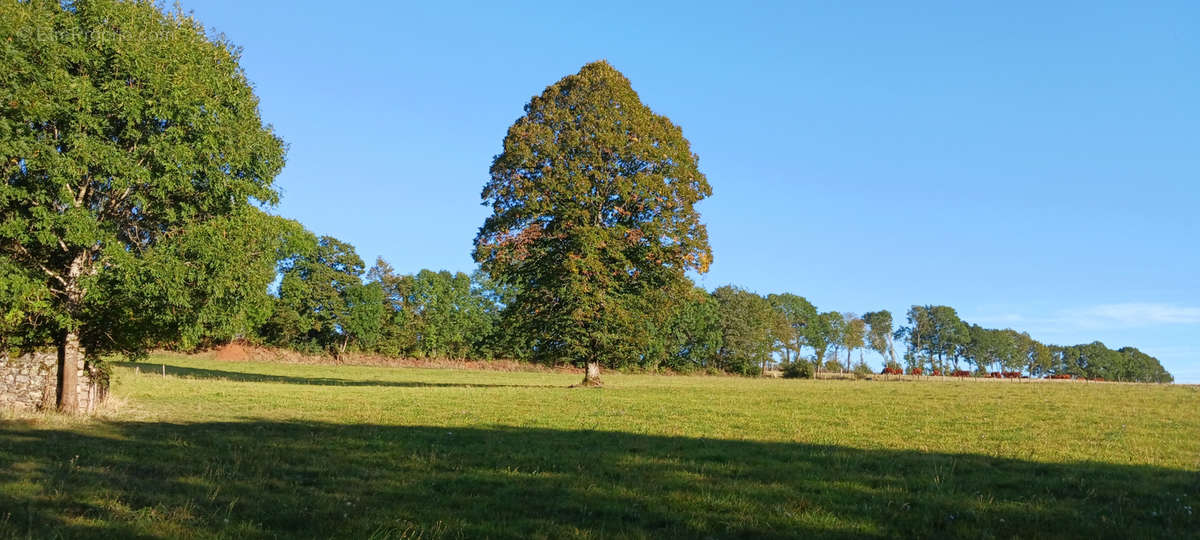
248, 450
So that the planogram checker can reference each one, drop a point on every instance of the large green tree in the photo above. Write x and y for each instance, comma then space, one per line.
593, 219
120, 126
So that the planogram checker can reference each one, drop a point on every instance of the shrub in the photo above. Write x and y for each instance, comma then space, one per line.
798, 370
861, 370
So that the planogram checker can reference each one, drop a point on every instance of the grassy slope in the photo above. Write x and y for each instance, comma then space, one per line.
265, 450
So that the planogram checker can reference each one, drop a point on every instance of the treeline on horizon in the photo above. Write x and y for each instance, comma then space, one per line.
327, 301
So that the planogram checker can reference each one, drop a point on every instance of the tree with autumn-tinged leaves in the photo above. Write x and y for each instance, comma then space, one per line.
593, 220
120, 127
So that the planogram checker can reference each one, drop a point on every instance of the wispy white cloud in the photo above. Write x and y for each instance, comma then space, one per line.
1102, 316
1137, 314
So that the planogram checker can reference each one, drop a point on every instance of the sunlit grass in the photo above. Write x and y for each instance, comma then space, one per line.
223, 449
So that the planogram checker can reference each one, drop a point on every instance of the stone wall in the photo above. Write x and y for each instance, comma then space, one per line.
30, 382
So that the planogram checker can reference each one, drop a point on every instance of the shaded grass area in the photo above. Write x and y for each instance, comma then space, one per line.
238, 376
261, 451
311, 479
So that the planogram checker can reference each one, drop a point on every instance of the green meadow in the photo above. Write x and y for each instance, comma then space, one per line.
219, 449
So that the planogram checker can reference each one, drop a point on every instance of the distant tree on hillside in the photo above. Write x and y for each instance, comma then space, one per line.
593, 220
434, 314
918, 336
748, 324
853, 333
323, 303
801, 316
879, 334
834, 328
948, 335
818, 335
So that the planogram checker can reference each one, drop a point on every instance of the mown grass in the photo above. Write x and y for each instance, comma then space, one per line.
246, 450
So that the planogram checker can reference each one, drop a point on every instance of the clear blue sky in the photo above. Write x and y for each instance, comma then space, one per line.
1035, 165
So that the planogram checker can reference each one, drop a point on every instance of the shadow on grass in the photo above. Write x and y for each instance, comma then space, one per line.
238, 376
280, 479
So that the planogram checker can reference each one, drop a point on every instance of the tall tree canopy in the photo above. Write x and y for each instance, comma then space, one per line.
594, 220
120, 126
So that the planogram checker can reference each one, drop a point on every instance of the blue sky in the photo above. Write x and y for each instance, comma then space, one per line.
1035, 165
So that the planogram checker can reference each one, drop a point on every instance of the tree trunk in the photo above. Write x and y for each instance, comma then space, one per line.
70, 353
342, 349
591, 376
69, 356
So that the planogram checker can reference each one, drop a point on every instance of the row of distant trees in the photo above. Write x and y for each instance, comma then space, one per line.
937, 339
329, 301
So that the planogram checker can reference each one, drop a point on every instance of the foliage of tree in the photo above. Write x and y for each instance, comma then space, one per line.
593, 213
121, 126
799, 314
854, 331
693, 338
435, 314
833, 326
25, 304
879, 335
323, 302
748, 330
204, 285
